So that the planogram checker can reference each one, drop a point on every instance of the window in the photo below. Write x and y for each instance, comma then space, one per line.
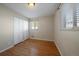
76, 15
67, 16
70, 16
68, 22
34, 25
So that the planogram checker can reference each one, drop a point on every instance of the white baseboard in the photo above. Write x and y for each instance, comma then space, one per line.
42, 39
58, 48
10, 46
6, 48
36, 39
53, 41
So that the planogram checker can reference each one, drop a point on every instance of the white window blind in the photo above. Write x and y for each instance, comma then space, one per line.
76, 15
68, 22
70, 16
67, 16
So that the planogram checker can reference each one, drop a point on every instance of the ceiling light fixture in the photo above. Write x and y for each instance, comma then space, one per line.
31, 4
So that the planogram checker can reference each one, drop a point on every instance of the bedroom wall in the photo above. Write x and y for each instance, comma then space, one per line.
45, 28
66, 41
6, 27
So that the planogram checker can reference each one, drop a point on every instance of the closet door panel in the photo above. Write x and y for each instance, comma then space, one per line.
25, 29
20, 30
16, 30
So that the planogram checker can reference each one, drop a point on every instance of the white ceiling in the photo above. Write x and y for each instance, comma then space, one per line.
40, 9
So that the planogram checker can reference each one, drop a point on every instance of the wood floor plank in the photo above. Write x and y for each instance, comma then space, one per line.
32, 47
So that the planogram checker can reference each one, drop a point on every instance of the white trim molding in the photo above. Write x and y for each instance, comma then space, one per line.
42, 39
58, 47
6, 48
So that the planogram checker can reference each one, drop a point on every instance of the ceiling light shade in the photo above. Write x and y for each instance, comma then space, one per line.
31, 4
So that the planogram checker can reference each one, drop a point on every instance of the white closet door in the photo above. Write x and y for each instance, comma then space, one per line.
20, 30
25, 29
16, 30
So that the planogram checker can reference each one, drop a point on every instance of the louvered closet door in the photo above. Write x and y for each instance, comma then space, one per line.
16, 30
25, 29
20, 30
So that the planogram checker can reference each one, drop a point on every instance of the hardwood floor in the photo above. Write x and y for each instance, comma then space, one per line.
33, 47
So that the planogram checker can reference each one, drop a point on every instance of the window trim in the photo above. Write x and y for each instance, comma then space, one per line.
74, 28
35, 25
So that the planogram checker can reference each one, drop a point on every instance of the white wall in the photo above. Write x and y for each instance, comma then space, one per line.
6, 26
45, 29
67, 41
